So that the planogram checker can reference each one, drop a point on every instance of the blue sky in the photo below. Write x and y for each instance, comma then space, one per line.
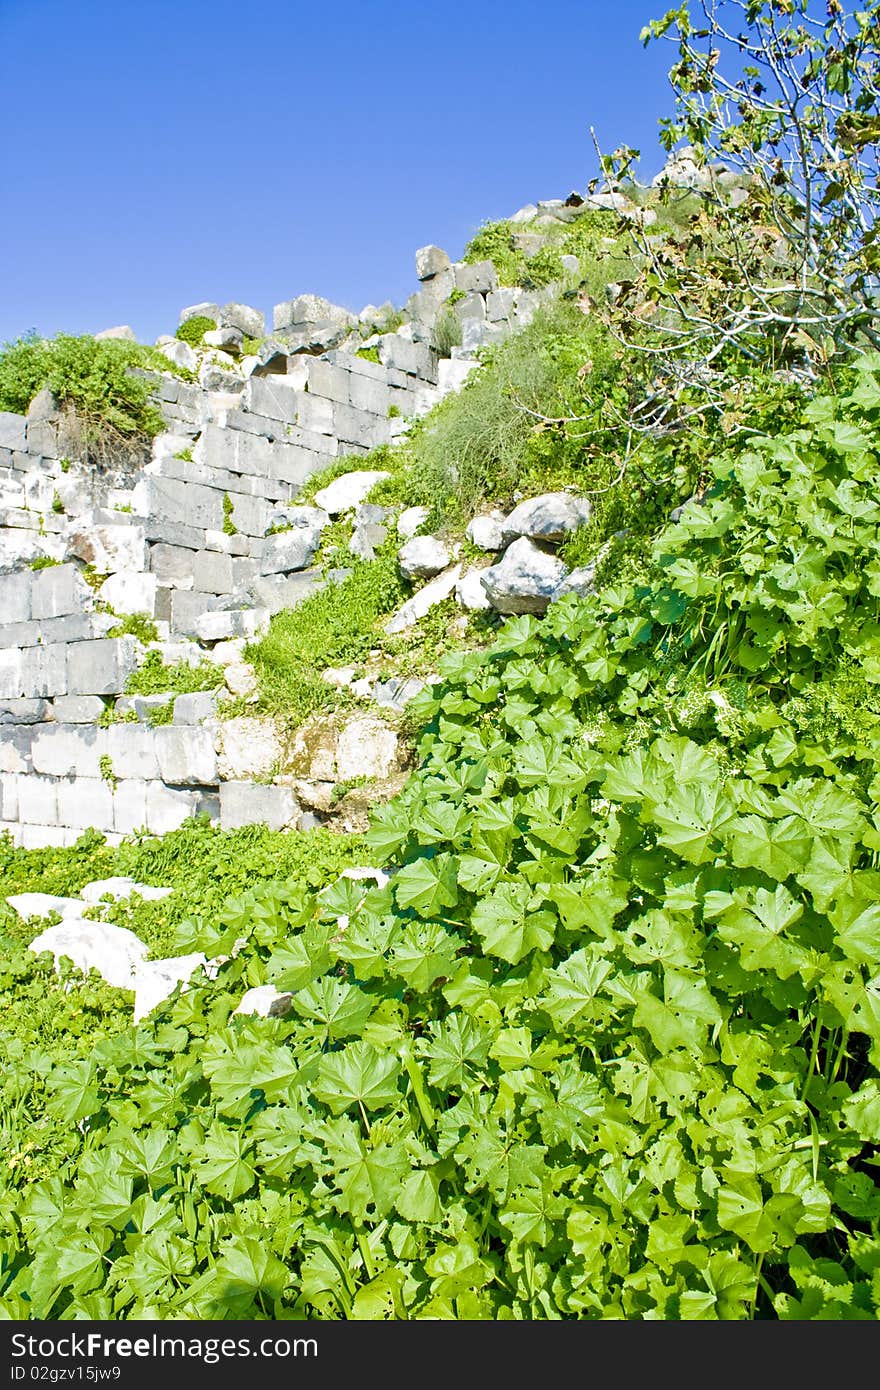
159, 153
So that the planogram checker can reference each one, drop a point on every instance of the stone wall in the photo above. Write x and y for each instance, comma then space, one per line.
194, 539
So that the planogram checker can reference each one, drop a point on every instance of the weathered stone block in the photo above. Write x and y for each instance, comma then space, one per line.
228, 545
205, 310
130, 806
196, 708
86, 803
15, 597
247, 320
430, 261
168, 807
59, 590
109, 548
473, 306
173, 565
200, 506
248, 747
370, 395
46, 836
11, 676
481, 278
452, 374
219, 626
271, 396
328, 379
15, 748
314, 413
131, 591
100, 668
12, 431
77, 709
275, 592
62, 750
176, 533
244, 803
18, 711
294, 549
186, 608
44, 671
359, 427
416, 359
131, 749
38, 800
212, 572
186, 755
9, 796
250, 515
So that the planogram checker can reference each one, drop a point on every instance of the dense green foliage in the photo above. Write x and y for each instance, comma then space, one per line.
93, 375
607, 1044
155, 677
193, 330
338, 623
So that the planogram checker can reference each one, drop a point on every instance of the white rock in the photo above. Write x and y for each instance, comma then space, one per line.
41, 904
410, 520
122, 330
113, 951
469, 592
247, 747
130, 591
110, 548
524, 580
580, 581
155, 980
241, 680
180, 353
423, 557
358, 873
368, 748
421, 603
486, 531
349, 491
550, 517
339, 676
265, 1001
122, 887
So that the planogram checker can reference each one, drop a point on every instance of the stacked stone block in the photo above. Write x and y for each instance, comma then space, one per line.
186, 538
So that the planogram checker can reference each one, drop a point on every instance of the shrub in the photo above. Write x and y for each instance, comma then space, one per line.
446, 332
494, 242
193, 330
99, 383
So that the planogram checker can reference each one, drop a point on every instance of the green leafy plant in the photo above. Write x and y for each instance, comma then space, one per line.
43, 562
103, 388
108, 772
229, 526
154, 677
369, 354
446, 333
193, 330
139, 625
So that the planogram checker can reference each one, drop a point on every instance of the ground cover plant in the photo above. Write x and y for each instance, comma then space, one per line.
52, 1017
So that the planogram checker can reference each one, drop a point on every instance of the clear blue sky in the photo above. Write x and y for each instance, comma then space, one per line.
156, 153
